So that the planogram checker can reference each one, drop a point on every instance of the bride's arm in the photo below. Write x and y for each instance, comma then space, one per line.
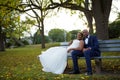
69, 46
70, 43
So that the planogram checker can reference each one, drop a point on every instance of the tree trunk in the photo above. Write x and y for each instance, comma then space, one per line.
2, 46
88, 15
42, 31
101, 11
42, 35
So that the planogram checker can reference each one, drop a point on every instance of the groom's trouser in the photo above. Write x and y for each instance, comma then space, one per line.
87, 54
75, 55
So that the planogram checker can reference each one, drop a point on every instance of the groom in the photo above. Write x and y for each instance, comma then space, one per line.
91, 49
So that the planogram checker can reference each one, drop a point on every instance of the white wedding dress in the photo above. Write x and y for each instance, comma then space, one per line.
55, 58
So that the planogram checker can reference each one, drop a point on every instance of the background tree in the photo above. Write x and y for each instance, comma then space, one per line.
73, 34
68, 37
101, 12
15, 29
114, 28
118, 17
12, 29
5, 20
37, 38
57, 35
27, 25
40, 9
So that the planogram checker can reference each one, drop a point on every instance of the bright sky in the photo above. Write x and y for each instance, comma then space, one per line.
64, 20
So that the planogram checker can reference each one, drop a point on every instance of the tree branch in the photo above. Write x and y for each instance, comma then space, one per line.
66, 4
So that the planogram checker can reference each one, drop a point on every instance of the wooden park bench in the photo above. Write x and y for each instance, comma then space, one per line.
105, 46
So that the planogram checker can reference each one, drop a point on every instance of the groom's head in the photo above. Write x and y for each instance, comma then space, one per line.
85, 32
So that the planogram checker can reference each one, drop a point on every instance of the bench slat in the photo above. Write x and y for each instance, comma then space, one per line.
109, 45
101, 57
64, 43
107, 57
108, 41
110, 49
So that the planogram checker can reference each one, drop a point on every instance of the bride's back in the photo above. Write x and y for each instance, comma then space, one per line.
74, 44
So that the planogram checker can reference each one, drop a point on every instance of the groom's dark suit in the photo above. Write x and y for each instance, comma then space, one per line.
93, 51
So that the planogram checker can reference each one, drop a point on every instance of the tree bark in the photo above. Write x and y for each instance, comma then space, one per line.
89, 20
101, 10
89, 17
2, 46
42, 31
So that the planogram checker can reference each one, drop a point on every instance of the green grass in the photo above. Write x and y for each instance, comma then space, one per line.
22, 64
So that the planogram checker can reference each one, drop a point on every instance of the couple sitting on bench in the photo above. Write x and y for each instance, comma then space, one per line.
55, 58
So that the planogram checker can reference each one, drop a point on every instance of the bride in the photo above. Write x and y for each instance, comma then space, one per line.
55, 58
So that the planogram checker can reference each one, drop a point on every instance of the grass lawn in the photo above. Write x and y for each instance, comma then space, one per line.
22, 64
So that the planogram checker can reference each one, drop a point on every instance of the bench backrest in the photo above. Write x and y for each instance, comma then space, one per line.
109, 45
105, 45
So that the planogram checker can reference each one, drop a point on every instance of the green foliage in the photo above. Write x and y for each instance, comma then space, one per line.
68, 37
25, 42
118, 17
10, 20
57, 35
38, 38
26, 25
9, 43
78, 2
5, 10
11, 26
16, 29
73, 34
114, 29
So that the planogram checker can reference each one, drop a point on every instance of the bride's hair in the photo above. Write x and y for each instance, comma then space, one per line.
81, 35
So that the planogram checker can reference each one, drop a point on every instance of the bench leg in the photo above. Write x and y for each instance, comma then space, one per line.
98, 65
67, 65
67, 69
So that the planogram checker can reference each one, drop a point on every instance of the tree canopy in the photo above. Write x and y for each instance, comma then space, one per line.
57, 35
114, 29
8, 19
